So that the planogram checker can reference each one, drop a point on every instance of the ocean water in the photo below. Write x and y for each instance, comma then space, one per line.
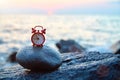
87, 30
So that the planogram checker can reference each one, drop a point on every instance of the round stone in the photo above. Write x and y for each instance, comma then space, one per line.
39, 59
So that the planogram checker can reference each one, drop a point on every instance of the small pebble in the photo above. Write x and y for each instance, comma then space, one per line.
116, 47
12, 57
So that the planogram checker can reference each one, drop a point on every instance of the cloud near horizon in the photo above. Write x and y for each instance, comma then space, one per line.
58, 6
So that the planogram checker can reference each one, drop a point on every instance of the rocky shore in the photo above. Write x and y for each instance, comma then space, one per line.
77, 64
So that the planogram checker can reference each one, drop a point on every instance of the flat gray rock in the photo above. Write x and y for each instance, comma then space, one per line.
39, 59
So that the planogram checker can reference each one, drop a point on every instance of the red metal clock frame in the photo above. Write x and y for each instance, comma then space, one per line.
39, 32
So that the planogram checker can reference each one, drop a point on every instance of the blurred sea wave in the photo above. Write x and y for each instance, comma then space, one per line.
87, 30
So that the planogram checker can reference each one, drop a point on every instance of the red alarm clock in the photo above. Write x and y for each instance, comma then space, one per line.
38, 37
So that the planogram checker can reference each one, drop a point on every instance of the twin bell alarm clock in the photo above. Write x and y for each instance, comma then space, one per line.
38, 37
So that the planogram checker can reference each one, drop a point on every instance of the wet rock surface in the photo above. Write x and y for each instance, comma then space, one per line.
39, 58
69, 46
75, 66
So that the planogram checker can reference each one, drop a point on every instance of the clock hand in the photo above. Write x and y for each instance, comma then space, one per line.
38, 36
35, 38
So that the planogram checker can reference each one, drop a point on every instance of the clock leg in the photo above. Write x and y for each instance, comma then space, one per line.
40, 45
33, 45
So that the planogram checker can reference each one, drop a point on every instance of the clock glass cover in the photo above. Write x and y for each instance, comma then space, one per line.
38, 39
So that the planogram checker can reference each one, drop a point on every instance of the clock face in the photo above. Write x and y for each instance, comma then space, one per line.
38, 38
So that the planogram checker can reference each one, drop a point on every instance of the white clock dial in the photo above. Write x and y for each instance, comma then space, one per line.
38, 39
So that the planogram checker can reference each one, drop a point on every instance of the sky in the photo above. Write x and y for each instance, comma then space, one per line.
60, 7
